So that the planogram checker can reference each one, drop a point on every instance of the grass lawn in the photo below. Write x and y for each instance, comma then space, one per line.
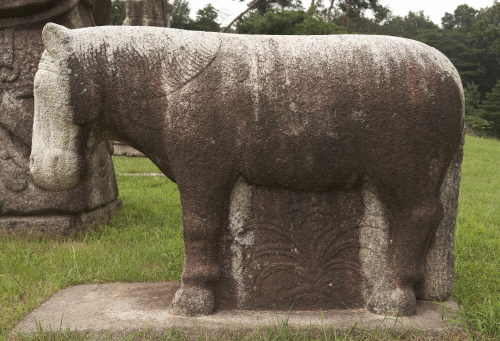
144, 243
477, 237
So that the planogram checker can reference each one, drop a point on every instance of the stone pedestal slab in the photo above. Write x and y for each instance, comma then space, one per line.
125, 308
57, 225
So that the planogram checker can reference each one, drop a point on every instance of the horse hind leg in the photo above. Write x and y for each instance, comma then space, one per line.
413, 219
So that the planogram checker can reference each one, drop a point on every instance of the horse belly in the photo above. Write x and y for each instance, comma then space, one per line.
302, 163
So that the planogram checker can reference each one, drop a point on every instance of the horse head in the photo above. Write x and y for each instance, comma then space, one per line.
62, 140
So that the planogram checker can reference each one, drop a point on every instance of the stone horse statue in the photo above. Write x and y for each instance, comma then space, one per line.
308, 113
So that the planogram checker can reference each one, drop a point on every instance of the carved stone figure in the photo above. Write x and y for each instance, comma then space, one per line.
25, 207
334, 158
148, 13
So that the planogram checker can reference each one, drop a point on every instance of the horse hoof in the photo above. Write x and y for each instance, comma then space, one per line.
193, 301
396, 302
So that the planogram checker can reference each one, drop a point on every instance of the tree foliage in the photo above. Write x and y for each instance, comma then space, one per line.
117, 13
473, 114
264, 6
180, 15
462, 19
413, 25
287, 22
357, 16
206, 20
355, 10
490, 109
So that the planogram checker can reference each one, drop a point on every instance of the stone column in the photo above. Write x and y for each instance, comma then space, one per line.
147, 13
26, 208
133, 10
169, 10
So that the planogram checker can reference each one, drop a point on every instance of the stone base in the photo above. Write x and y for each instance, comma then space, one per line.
124, 308
56, 225
124, 150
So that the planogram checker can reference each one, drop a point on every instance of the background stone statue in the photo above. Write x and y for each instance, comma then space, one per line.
148, 13
25, 207
314, 172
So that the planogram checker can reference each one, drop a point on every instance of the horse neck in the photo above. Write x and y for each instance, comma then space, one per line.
137, 123
130, 77
123, 96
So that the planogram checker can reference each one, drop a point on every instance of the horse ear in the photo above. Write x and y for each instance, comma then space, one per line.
57, 39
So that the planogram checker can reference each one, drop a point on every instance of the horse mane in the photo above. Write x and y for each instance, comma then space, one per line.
182, 55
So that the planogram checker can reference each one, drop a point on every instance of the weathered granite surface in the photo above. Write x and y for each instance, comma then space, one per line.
124, 309
314, 172
21, 24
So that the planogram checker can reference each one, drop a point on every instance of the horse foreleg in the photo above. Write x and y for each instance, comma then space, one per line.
204, 213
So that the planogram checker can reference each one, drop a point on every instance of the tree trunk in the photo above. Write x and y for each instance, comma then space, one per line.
313, 2
347, 12
329, 13
252, 5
